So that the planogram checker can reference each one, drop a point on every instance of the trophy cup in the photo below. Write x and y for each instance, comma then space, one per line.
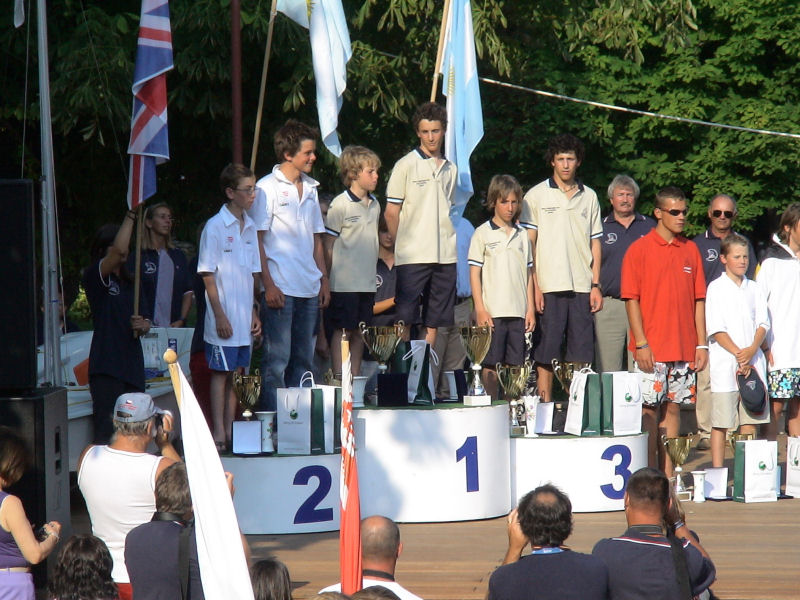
564, 371
246, 435
382, 341
476, 340
737, 437
513, 379
678, 451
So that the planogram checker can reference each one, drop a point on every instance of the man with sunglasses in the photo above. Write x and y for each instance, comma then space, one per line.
722, 213
664, 291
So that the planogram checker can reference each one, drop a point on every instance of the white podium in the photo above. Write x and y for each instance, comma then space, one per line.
593, 471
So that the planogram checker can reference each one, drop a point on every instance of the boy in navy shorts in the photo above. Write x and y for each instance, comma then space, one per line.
351, 246
500, 264
230, 265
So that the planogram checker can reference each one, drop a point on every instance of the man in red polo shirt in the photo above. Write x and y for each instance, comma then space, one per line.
664, 291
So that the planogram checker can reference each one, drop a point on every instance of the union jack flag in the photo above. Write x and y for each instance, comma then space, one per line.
149, 143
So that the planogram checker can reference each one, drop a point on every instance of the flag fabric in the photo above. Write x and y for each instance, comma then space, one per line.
460, 86
350, 506
330, 51
223, 566
19, 13
149, 144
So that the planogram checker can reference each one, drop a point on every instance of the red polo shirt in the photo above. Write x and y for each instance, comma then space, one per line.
667, 279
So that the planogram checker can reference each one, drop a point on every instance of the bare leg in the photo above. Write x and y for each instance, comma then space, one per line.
356, 350
217, 393
793, 416
650, 426
489, 377
545, 378
669, 425
336, 354
770, 430
717, 446
751, 429
231, 406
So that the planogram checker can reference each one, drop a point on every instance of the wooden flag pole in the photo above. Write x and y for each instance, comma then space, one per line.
445, 17
273, 11
137, 276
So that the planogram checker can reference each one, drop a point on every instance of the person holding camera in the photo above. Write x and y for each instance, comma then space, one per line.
118, 480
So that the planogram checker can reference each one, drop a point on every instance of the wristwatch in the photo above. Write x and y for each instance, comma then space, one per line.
598, 286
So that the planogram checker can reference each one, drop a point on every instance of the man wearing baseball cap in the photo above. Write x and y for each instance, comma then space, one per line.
118, 480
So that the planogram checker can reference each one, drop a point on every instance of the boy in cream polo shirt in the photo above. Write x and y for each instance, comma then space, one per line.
500, 270
351, 252
419, 196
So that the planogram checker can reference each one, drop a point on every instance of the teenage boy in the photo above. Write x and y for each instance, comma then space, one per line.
562, 217
737, 322
664, 291
351, 252
289, 223
419, 196
500, 265
228, 262
779, 279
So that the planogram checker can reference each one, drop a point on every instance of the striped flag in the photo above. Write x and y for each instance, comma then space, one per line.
460, 84
149, 143
350, 519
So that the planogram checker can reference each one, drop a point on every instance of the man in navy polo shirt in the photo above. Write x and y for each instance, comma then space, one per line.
722, 212
621, 227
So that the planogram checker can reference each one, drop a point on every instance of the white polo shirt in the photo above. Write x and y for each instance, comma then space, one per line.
565, 228
232, 256
354, 224
738, 310
289, 223
425, 232
504, 261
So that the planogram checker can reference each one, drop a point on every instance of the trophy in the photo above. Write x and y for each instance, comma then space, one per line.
476, 340
565, 369
513, 378
678, 451
737, 437
247, 389
382, 341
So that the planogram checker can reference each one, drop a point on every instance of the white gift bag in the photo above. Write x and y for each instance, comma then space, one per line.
755, 465
544, 418
793, 466
294, 420
329, 415
577, 398
627, 404
421, 355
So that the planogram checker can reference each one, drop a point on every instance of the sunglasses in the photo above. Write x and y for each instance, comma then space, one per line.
675, 211
728, 214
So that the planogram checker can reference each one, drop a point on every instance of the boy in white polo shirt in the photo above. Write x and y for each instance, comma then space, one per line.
290, 228
351, 246
229, 264
737, 323
500, 265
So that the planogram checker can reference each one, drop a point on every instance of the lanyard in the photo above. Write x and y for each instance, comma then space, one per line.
548, 550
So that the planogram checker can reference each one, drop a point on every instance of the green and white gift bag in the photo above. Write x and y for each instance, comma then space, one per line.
301, 419
584, 408
420, 374
793, 466
622, 404
755, 471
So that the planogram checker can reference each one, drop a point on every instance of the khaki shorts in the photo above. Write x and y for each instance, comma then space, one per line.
724, 406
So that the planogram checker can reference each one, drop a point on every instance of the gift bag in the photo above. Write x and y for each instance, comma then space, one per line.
301, 420
544, 418
420, 375
401, 359
754, 471
332, 416
583, 410
622, 404
793, 466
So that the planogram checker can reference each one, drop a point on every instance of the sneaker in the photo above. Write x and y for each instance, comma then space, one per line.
703, 443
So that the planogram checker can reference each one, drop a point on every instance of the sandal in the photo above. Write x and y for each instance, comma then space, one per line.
222, 447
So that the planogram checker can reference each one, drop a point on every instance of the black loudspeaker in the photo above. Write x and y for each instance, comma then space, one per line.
18, 284
39, 416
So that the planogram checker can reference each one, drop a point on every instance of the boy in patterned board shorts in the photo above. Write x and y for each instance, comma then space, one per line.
351, 252
779, 279
737, 323
664, 291
500, 265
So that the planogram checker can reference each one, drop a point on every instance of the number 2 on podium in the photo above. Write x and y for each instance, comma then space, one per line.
469, 451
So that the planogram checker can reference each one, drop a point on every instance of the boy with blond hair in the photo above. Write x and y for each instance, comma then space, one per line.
500, 265
351, 252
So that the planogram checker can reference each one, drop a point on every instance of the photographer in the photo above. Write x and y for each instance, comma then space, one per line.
118, 480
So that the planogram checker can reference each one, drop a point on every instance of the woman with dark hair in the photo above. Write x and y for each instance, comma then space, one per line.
165, 276
116, 363
19, 547
271, 581
83, 571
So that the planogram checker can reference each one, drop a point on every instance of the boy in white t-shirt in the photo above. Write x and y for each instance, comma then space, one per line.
737, 322
228, 261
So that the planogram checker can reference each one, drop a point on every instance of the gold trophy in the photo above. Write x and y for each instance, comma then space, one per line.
564, 371
678, 451
476, 340
513, 379
382, 341
737, 437
247, 389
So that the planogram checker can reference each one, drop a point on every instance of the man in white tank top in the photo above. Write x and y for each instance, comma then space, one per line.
118, 481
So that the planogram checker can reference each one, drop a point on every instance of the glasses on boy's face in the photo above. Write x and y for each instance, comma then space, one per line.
675, 211
246, 190
728, 214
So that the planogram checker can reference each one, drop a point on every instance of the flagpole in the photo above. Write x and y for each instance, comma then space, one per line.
445, 17
236, 80
273, 11
137, 276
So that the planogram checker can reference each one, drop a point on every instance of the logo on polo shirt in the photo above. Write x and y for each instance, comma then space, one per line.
711, 255
550, 209
751, 385
611, 238
687, 269
353, 219
113, 289
491, 245
420, 182
378, 281
149, 268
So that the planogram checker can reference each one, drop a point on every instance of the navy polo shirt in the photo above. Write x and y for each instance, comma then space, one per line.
181, 279
615, 243
385, 289
708, 244
114, 351
199, 289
